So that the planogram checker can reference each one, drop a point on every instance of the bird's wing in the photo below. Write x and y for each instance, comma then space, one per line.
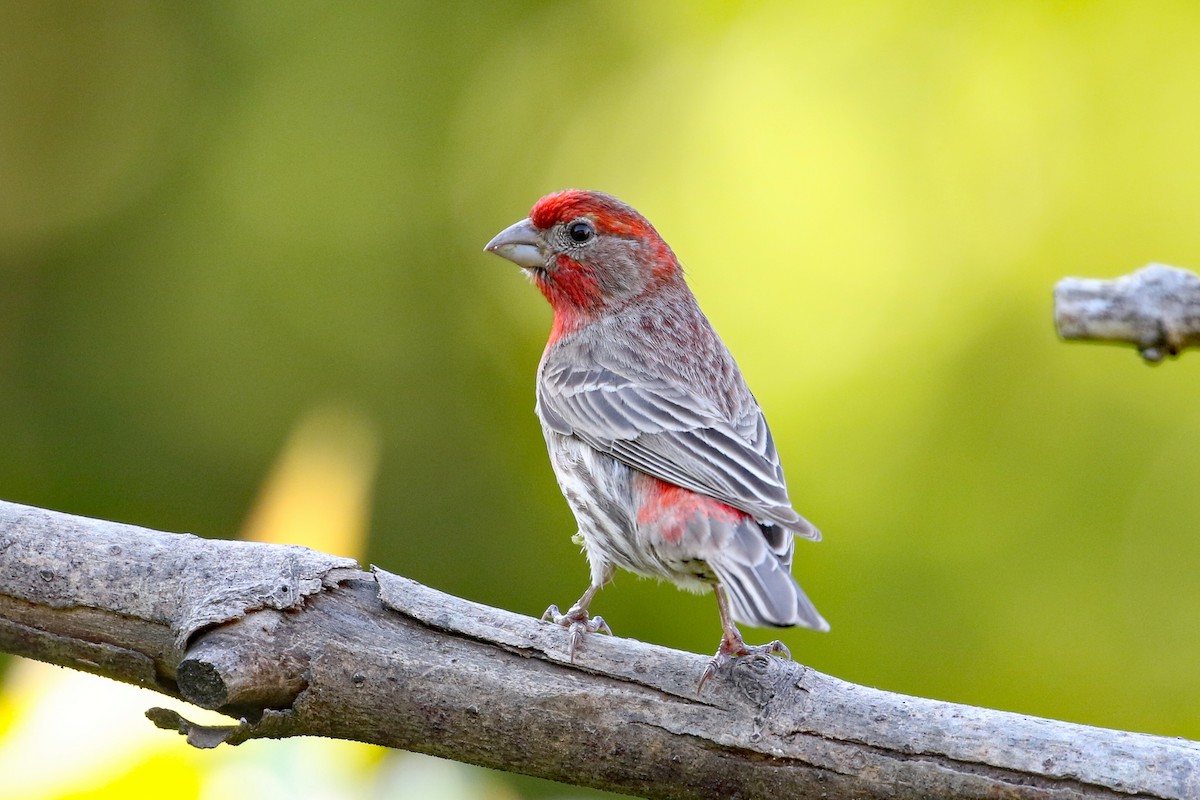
657, 426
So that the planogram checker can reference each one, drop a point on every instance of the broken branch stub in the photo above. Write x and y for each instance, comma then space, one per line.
1156, 309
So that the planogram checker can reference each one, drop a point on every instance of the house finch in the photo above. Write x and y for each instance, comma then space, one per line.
659, 447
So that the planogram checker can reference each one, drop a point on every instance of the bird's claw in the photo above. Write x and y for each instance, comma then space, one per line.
577, 622
730, 650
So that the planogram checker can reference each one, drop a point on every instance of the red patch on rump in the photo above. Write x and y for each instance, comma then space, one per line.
669, 507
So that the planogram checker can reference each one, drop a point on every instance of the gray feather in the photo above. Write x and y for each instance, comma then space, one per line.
695, 425
761, 588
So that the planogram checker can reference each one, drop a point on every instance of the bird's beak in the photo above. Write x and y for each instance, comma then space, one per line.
519, 244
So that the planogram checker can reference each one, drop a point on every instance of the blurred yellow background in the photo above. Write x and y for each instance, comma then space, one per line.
243, 290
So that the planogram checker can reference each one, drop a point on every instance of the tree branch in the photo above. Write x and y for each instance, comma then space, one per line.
292, 642
1157, 309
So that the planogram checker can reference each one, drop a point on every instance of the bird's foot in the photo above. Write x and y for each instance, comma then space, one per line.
735, 648
577, 622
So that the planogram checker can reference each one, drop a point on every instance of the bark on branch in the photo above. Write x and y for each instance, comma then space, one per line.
292, 642
1157, 309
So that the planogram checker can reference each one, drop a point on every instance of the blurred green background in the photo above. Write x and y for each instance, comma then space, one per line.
218, 218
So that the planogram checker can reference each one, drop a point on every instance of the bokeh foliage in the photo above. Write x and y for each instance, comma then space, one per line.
216, 217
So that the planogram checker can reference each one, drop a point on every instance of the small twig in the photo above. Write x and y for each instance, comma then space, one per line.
1156, 309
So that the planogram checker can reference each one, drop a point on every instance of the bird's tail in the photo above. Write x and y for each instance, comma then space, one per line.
761, 588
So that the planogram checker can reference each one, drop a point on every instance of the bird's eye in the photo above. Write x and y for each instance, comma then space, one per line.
581, 231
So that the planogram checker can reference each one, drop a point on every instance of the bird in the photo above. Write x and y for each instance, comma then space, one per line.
659, 447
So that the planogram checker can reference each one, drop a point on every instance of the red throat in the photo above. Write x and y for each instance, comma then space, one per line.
573, 288
574, 294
